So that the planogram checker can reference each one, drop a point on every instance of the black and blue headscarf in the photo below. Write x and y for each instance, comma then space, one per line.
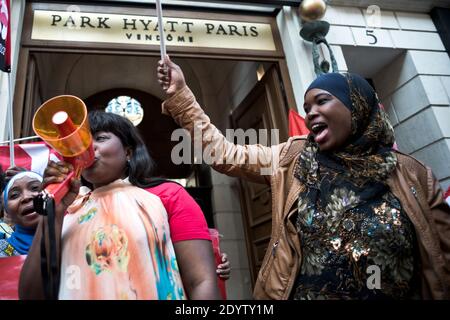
361, 166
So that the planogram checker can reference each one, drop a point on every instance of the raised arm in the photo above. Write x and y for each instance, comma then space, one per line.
253, 162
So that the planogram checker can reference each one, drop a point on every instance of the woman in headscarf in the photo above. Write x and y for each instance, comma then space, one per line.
20, 189
348, 219
352, 218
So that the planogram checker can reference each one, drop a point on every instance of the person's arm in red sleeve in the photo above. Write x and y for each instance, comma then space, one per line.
191, 241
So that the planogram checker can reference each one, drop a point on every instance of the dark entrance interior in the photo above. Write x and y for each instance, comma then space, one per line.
155, 129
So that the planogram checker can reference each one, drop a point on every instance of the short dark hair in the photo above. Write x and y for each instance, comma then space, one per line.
141, 166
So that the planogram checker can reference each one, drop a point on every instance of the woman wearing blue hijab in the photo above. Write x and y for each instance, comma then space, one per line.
352, 218
349, 221
17, 198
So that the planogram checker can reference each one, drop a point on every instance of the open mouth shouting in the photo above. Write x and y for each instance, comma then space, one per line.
29, 212
320, 131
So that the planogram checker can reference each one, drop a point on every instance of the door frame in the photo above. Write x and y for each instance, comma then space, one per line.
276, 116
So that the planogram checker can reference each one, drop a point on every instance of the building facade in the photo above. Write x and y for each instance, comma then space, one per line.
247, 66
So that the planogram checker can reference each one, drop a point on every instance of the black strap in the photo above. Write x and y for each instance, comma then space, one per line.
45, 206
54, 265
44, 267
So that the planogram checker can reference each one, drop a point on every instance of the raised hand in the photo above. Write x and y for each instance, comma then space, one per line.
12, 171
170, 76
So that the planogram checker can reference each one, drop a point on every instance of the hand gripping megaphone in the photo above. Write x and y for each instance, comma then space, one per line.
62, 122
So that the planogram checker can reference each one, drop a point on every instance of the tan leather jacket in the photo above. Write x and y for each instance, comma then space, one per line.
412, 183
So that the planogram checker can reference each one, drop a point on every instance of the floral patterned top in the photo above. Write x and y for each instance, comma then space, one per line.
116, 244
365, 251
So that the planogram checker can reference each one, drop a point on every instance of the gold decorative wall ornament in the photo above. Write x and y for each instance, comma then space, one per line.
311, 10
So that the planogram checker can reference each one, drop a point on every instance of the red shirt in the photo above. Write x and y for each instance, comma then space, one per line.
186, 219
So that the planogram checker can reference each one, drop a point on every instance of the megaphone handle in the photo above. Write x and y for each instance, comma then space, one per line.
59, 190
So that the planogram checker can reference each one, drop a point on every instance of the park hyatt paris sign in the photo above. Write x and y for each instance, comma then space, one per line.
133, 29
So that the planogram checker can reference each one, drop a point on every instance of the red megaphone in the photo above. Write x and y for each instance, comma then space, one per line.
62, 122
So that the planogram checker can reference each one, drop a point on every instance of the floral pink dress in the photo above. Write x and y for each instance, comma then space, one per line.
116, 244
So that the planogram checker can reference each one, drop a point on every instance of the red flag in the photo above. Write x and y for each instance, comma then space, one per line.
32, 156
214, 234
5, 36
447, 196
10, 268
297, 125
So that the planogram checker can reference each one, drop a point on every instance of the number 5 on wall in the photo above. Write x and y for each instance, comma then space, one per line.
369, 33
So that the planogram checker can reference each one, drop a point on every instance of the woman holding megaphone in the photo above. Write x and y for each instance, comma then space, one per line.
118, 241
